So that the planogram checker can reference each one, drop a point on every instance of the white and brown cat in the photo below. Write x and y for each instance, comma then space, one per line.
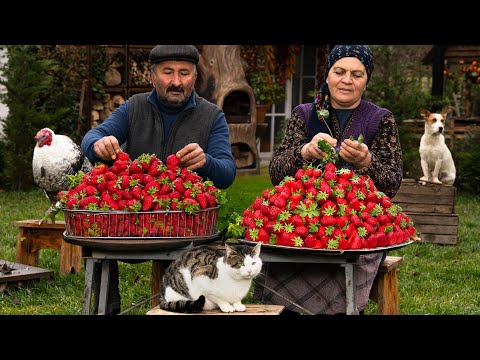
204, 278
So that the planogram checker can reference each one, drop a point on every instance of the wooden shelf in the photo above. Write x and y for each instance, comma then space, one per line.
132, 58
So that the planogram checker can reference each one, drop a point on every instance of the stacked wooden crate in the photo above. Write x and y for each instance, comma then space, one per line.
432, 208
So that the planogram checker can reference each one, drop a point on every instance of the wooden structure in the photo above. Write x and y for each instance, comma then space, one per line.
252, 309
450, 60
456, 128
455, 55
385, 288
100, 256
20, 273
127, 73
384, 292
432, 209
222, 81
33, 237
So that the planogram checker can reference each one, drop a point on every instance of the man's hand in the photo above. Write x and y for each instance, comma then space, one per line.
192, 156
107, 148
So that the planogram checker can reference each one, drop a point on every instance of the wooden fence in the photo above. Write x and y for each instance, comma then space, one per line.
455, 128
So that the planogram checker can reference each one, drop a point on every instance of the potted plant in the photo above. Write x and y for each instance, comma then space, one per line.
265, 90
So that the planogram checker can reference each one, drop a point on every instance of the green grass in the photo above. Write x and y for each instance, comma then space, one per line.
434, 279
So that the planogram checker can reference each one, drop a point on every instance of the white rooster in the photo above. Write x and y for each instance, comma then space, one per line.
54, 157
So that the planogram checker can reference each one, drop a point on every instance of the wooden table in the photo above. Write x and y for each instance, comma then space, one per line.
104, 256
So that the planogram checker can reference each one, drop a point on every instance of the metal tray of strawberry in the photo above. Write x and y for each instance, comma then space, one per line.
139, 243
286, 249
324, 208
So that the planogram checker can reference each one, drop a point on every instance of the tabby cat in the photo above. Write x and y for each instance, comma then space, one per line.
204, 278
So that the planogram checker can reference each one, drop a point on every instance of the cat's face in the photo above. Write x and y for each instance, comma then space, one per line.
244, 260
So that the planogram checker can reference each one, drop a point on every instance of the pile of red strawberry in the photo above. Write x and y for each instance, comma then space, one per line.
140, 197
326, 209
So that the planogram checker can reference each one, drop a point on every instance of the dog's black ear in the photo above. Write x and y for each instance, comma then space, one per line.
424, 113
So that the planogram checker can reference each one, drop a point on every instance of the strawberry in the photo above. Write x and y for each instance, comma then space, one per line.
71, 203
179, 185
136, 192
263, 236
119, 166
328, 220
89, 202
212, 200
355, 242
147, 203
202, 200
280, 202
100, 168
135, 167
386, 202
310, 241
301, 230
172, 161
123, 156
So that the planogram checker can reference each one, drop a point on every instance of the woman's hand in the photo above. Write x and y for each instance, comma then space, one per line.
355, 153
310, 151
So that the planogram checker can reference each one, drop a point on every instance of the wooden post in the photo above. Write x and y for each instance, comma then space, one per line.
33, 237
157, 274
385, 288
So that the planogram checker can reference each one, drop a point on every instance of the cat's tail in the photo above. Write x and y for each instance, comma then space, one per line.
184, 306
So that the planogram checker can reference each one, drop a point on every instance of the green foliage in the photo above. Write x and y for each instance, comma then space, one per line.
99, 67
27, 78
69, 82
266, 90
44, 85
466, 162
398, 84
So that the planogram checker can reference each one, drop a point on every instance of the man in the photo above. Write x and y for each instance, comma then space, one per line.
171, 119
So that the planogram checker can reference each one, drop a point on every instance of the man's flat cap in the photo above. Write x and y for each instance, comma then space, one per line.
174, 52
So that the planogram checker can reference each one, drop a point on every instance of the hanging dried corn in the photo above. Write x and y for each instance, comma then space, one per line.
269, 58
291, 60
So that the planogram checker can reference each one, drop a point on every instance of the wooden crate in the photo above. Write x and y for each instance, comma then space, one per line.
436, 228
432, 208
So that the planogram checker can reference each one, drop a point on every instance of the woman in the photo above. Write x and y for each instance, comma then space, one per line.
338, 112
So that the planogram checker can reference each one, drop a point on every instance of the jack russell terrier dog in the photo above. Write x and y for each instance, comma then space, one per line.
436, 158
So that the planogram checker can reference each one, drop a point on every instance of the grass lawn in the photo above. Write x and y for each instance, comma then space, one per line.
434, 279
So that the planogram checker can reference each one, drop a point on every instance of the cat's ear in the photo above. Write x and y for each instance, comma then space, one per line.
256, 249
229, 250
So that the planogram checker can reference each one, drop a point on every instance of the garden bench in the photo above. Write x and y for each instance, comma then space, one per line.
385, 287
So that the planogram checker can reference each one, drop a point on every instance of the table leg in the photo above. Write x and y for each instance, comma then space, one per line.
350, 289
104, 287
87, 292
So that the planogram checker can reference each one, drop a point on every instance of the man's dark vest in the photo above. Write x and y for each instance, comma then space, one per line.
145, 127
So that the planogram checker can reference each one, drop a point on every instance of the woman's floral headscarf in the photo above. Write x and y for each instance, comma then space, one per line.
361, 52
